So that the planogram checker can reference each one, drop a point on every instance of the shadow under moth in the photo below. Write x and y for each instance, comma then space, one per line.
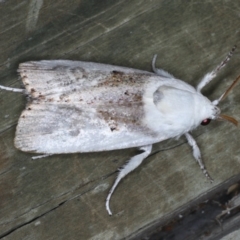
77, 106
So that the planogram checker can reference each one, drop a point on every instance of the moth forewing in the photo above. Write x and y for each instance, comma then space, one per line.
87, 107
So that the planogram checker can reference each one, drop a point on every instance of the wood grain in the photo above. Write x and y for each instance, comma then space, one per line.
62, 196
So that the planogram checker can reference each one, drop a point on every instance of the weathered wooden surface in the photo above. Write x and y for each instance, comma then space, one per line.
62, 197
210, 216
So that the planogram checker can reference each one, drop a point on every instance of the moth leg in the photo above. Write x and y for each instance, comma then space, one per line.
41, 156
209, 76
12, 89
133, 163
159, 71
197, 155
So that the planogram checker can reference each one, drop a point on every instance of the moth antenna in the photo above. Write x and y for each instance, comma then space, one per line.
224, 95
209, 76
228, 118
12, 89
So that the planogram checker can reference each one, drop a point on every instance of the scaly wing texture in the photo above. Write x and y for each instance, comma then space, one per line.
84, 107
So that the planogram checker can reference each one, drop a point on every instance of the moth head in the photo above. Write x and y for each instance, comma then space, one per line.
216, 111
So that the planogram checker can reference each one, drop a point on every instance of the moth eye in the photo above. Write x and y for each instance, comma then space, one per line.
206, 121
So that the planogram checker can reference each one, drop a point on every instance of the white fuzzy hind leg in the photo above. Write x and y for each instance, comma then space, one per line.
133, 163
12, 89
41, 156
197, 155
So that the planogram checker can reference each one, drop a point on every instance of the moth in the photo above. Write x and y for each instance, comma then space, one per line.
76, 106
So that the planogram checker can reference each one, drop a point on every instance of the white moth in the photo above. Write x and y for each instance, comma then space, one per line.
89, 107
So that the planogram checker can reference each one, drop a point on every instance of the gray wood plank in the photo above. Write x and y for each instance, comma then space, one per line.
62, 197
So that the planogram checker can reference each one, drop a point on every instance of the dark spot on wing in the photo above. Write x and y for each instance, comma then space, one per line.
113, 128
114, 72
74, 133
